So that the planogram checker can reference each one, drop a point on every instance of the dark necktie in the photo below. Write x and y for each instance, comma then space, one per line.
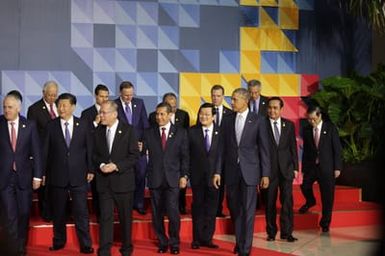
255, 107
51, 111
217, 115
13, 142
276, 133
109, 140
164, 139
207, 140
128, 113
67, 134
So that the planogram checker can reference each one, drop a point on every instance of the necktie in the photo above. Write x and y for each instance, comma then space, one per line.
128, 113
164, 139
51, 111
109, 140
67, 134
217, 115
316, 137
276, 133
239, 128
255, 107
13, 142
207, 140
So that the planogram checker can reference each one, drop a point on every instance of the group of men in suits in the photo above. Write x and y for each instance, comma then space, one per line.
115, 147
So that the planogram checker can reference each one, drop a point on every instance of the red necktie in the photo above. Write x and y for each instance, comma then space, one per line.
51, 112
164, 139
13, 142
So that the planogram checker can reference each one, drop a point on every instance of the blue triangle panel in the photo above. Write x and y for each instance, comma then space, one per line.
193, 57
171, 10
40, 77
189, 15
125, 76
305, 5
108, 55
249, 16
147, 83
129, 9
129, 55
291, 34
287, 62
129, 32
150, 102
63, 78
151, 37
273, 13
17, 78
150, 17
229, 62
168, 37
172, 79
269, 62
107, 78
228, 3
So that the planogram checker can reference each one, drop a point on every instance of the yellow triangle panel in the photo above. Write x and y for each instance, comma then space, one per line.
249, 2
265, 20
230, 82
189, 84
288, 18
287, 3
207, 81
273, 39
250, 76
250, 62
270, 84
289, 85
191, 105
268, 3
250, 38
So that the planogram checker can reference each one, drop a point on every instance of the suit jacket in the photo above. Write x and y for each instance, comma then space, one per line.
171, 164
68, 165
139, 116
328, 152
124, 153
182, 119
262, 107
203, 164
40, 114
253, 151
284, 157
226, 112
27, 155
89, 115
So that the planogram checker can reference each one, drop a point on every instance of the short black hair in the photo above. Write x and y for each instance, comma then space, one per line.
164, 105
169, 94
16, 94
208, 105
218, 87
125, 85
67, 96
281, 104
100, 87
314, 109
253, 83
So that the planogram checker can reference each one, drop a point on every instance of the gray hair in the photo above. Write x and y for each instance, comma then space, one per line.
16, 98
48, 84
244, 93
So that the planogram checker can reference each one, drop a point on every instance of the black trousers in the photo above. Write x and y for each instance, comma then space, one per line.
59, 199
326, 183
204, 209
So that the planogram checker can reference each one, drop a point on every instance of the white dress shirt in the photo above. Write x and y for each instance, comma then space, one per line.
70, 126
167, 126
112, 130
49, 108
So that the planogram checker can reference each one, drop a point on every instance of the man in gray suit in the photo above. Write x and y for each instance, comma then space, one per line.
246, 165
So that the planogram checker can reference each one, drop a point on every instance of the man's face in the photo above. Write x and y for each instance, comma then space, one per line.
65, 109
127, 94
107, 115
172, 102
274, 109
206, 117
217, 97
50, 94
255, 92
11, 108
162, 117
238, 102
314, 119
101, 97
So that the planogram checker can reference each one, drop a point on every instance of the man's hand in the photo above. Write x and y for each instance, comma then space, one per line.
295, 174
97, 119
140, 146
264, 182
108, 168
43, 181
337, 173
36, 184
182, 182
216, 181
90, 177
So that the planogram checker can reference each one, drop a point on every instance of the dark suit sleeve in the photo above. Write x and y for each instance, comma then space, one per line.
45, 153
152, 119
336, 149
186, 123
293, 148
184, 155
132, 153
36, 152
264, 150
90, 148
143, 116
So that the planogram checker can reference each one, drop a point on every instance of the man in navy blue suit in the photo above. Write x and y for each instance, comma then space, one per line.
246, 165
131, 110
20, 170
68, 168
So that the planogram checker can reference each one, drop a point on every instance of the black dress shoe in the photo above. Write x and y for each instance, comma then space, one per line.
289, 238
236, 249
325, 229
141, 211
194, 245
56, 247
270, 238
87, 250
162, 249
209, 245
182, 210
174, 250
304, 208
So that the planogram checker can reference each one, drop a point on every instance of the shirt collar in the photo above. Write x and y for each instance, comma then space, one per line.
97, 106
114, 126
124, 103
16, 121
167, 126
278, 121
210, 128
319, 126
244, 113
70, 121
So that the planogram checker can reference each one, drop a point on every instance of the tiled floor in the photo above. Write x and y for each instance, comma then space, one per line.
350, 241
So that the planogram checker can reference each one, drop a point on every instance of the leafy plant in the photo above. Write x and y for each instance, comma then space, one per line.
356, 104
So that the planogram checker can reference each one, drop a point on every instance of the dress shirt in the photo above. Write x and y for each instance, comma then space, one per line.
167, 126
97, 106
220, 113
209, 132
49, 108
172, 118
112, 133
256, 104
70, 126
16, 126
241, 124
319, 126
278, 124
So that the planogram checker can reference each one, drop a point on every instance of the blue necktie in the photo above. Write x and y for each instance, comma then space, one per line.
67, 134
128, 113
255, 107
276, 133
207, 140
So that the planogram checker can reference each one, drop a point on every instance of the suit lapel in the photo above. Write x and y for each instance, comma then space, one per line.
250, 121
20, 131
117, 137
45, 110
6, 132
324, 130
170, 136
214, 139
75, 130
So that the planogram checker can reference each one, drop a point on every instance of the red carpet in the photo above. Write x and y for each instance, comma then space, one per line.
148, 248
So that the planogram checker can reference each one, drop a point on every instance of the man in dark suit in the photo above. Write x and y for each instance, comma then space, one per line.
132, 110
221, 112
115, 154
167, 147
68, 168
246, 164
20, 171
43, 111
179, 118
258, 102
205, 152
321, 161
284, 167
92, 116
